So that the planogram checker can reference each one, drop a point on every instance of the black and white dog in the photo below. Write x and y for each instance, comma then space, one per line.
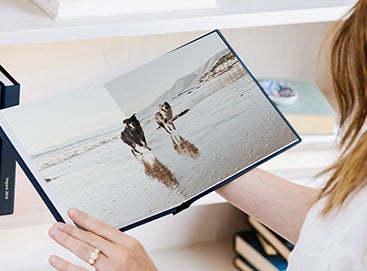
133, 134
164, 117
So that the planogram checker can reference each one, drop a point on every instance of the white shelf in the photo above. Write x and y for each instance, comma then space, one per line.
23, 22
206, 257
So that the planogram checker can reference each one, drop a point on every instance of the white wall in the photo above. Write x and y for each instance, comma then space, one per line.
43, 69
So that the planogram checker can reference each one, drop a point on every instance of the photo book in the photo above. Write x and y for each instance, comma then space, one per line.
149, 142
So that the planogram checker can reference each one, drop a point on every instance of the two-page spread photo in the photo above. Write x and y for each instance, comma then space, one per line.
151, 140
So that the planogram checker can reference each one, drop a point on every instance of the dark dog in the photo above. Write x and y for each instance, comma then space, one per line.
133, 134
164, 117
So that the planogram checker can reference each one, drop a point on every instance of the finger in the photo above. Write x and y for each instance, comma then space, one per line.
90, 238
96, 226
62, 265
77, 247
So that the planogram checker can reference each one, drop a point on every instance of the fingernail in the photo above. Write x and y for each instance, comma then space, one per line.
73, 212
53, 260
52, 232
59, 225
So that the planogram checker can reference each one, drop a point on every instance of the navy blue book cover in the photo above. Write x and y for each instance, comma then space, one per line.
151, 141
9, 96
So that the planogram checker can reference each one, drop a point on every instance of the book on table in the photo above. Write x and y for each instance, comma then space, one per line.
9, 96
149, 142
311, 113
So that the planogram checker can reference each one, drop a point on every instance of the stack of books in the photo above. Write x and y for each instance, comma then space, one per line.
259, 248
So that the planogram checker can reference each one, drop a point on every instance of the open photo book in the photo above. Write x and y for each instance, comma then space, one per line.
149, 142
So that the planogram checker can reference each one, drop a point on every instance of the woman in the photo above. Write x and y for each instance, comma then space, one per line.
328, 226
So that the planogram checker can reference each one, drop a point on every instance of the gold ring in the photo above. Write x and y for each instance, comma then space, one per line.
94, 256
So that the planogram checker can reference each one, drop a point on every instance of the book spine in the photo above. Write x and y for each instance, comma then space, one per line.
4, 208
9, 96
7, 180
242, 264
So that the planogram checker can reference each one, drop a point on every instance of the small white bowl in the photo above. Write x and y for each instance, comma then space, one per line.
280, 92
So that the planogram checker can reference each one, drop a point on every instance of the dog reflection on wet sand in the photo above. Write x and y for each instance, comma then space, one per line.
155, 169
182, 146
133, 135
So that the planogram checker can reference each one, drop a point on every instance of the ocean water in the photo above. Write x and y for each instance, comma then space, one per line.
229, 126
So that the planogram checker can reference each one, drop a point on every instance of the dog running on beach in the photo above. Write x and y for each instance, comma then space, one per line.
133, 134
164, 117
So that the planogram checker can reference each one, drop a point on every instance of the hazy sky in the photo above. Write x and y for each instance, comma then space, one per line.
53, 120
139, 88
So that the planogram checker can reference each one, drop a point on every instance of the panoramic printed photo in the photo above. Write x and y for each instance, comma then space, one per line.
152, 138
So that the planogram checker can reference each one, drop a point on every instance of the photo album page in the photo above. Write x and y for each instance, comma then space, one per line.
150, 140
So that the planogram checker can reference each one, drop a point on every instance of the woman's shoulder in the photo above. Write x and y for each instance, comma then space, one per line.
337, 241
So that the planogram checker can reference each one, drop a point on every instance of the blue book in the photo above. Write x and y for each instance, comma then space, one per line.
9, 96
311, 112
247, 245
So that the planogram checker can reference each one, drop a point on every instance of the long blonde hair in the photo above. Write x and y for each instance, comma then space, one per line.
349, 79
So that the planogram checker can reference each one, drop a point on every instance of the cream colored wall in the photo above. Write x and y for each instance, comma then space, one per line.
43, 69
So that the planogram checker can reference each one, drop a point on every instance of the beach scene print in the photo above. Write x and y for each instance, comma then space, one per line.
153, 138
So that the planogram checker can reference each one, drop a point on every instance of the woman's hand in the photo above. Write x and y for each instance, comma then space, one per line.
113, 249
